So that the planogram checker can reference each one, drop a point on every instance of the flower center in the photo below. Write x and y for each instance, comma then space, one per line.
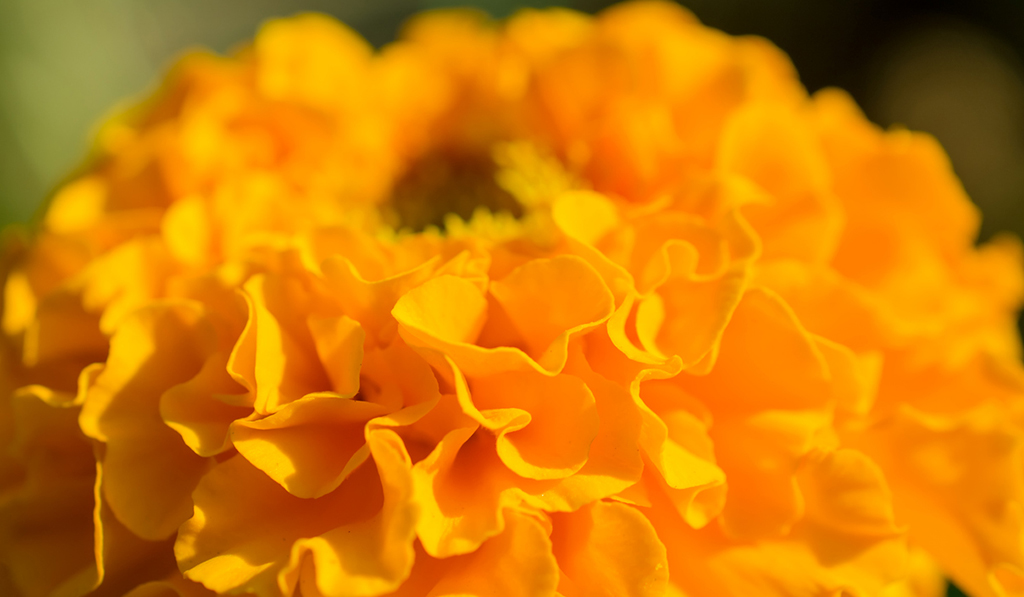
447, 182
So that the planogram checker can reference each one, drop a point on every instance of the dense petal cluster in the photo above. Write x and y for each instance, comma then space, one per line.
564, 305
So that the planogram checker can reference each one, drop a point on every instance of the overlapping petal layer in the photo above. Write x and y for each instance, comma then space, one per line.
563, 305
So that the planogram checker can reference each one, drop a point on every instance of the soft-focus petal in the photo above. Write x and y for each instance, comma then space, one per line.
354, 541
608, 549
150, 472
953, 483
289, 445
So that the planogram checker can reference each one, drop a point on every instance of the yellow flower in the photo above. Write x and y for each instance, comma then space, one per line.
564, 305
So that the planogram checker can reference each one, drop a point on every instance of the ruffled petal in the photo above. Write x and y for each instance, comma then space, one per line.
540, 446
955, 484
46, 504
150, 471
451, 315
899, 175
764, 499
446, 314
447, 309
608, 549
464, 490
61, 329
775, 148
767, 360
675, 442
585, 216
175, 586
368, 559
549, 300
858, 556
370, 302
276, 357
339, 344
516, 563
613, 463
124, 560
313, 60
924, 578
249, 534
201, 409
124, 279
290, 445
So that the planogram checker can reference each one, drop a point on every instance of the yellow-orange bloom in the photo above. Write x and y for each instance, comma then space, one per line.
564, 305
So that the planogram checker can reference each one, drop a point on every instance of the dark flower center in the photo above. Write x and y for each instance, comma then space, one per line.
448, 182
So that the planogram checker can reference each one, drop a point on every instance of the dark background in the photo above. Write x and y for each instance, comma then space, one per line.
952, 68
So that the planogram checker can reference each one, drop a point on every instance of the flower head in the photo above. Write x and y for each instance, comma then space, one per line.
563, 305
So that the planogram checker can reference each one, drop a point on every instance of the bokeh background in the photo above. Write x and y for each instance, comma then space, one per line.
949, 67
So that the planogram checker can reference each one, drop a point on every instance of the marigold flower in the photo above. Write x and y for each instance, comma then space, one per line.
563, 305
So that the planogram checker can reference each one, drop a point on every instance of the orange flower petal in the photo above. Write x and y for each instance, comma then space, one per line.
202, 408
776, 149
339, 344
548, 300
311, 59
463, 490
516, 563
276, 356
676, 443
150, 472
766, 360
370, 302
354, 541
607, 549
953, 482
539, 445
289, 445
47, 509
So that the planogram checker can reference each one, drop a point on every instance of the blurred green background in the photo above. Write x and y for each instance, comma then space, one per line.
949, 67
